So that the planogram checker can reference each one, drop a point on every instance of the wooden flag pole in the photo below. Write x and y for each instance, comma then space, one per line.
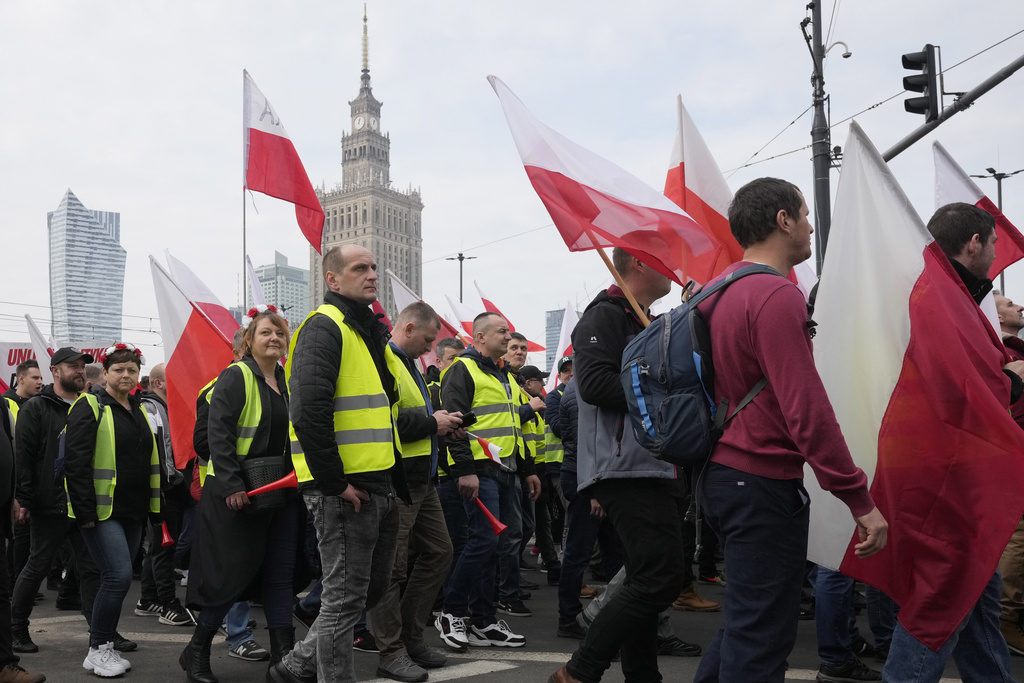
625, 290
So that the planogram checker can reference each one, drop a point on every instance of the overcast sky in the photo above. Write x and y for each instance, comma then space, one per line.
136, 107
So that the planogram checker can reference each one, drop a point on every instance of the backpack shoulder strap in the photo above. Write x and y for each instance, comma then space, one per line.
711, 288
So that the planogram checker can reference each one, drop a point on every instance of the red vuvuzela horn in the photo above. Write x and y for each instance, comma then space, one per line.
289, 481
495, 522
167, 540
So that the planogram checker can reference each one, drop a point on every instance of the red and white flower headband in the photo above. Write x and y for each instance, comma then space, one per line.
255, 311
122, 346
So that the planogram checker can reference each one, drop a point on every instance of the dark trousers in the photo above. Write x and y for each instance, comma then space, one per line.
470, 588
583, 531
456, 521
543, 522
18, 549
48, 533
158, 583
7, 655
647, 515
762, 525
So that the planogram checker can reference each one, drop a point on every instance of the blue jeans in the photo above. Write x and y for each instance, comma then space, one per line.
357, 551
470, 589
762, 526
582, 531
113, 545
237, 623
311, 603
977, 647
834, 617
510, 512
455, 519
882, 611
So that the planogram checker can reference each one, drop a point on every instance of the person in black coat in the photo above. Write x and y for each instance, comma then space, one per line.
240, 549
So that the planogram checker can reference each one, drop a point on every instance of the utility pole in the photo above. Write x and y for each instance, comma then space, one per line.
993, 173
460, 258
820, 137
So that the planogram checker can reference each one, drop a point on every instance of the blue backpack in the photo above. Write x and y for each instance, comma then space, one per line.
669, 381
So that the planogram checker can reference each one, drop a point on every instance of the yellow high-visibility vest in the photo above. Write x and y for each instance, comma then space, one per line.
496, 406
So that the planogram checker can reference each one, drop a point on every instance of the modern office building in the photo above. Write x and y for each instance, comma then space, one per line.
552, 330
86, 272
284, 286
364, 208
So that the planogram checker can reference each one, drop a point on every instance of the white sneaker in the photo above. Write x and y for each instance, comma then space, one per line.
114, 654
104, 661
452, 630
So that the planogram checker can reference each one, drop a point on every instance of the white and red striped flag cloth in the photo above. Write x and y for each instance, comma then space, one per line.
489, 305
491, 450
914, 372
595, 203
42, 347
564, 348
953, 185
271, 165
196, 329
403, 297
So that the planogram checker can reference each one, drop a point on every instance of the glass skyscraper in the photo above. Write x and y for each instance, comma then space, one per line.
86, 273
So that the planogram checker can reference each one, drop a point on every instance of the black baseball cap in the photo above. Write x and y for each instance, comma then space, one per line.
528, 372
68, 354
562, 361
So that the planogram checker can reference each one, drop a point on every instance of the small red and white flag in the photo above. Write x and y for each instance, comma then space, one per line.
595, 203
196, 329
953, 185
42, 347
914, 373
492, 451
489, 305
564, 348
271, 165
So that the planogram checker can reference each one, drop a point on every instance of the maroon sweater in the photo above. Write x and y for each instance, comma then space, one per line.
758, 328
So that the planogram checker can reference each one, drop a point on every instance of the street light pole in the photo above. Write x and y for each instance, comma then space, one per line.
993, 173
460, 258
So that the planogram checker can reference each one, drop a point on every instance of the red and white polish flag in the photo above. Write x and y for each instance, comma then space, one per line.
914, 373
271, 165
952, 184
489, 305
42, 347
197, 330
493, 452
595, 203
464, 314
403, 297
564, 348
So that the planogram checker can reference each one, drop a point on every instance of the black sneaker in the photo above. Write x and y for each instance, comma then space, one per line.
525, 595
122, 644
175, 615
674, 647
22, 641
570, 628
305, 616
861, 647
526, 566
514, 608
145, 608
363, 641
853, 671
528, 585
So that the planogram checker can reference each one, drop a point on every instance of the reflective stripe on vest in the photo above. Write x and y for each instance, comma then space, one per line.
533, 435
104, 463
496, 411
365, 429
248, 420
412, 401
204, 465
553, 448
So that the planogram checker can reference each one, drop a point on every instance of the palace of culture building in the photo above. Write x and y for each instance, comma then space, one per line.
364, 209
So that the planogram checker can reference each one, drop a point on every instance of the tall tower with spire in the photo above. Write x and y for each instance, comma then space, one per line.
364, 208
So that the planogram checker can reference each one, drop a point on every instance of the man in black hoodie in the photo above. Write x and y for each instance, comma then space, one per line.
40, 492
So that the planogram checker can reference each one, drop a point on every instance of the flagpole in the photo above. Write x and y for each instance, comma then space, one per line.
244, 272
625, 290
197, 309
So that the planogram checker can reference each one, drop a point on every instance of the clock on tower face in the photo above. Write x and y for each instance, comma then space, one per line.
373, 122
359, 122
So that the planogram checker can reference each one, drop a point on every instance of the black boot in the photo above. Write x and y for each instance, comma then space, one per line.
282, 640
195, 658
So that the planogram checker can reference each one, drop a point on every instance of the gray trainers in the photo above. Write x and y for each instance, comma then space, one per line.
250, 651
425, 656
401, 668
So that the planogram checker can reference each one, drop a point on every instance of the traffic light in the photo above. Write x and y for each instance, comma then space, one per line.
926, 83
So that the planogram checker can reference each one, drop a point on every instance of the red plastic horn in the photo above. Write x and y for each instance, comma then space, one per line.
495, 522
289, 481
167, 540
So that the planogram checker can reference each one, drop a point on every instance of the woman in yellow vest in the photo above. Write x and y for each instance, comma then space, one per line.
245, 548
112, 475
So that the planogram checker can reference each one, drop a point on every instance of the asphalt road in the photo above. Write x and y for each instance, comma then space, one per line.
63, 643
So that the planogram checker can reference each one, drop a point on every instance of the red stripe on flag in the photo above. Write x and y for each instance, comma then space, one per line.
950, 468
705, 215
199, 356
1009, 242
274, 168
671, 243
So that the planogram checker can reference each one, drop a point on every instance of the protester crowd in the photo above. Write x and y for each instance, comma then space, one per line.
416, 498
